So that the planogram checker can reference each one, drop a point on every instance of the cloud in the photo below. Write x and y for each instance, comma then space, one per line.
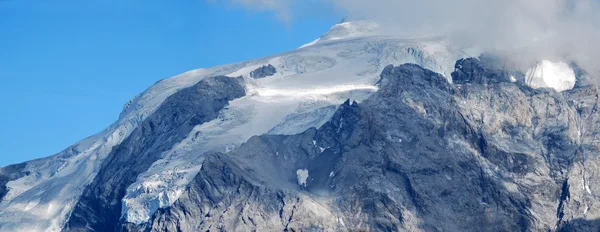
281, 8
554, 28
527, 29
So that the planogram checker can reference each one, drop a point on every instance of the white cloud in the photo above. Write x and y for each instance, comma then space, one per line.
535, 29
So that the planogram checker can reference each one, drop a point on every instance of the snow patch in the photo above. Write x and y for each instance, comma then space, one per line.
322, 149
302, 175
587, 189
341, 221
586, 184
229, 148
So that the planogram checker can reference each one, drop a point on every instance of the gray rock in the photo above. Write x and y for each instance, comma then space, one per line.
419, 155
483, 70
263, 71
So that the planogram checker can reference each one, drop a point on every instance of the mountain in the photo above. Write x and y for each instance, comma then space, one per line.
356, 130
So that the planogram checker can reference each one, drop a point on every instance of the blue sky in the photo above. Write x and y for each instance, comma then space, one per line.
67, 67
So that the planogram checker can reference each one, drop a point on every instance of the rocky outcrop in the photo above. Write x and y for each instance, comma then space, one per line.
485, 154
263, 71
483, 70
99, 208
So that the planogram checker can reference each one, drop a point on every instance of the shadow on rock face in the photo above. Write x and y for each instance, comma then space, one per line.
580, 225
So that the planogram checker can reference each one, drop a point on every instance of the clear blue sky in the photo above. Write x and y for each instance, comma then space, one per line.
67, 67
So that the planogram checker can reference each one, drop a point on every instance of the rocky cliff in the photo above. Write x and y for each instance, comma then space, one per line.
484, 154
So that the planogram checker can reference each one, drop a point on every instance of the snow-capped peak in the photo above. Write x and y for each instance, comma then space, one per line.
351, 29
347, 30
304, 92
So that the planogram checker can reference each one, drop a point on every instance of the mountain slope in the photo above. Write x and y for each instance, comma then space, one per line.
275, 144
307, 87
420, 154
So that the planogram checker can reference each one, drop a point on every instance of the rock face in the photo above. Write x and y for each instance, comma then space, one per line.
485, 154
99, 208
486, 69
263, 71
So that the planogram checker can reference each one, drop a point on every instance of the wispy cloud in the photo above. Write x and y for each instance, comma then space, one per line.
528, 29
281, 8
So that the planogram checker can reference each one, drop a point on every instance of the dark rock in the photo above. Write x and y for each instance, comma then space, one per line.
483, 70
263, 71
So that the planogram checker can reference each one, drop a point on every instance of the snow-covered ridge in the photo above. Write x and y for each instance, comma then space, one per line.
310, 82
265, 92
352, 29
348, 30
